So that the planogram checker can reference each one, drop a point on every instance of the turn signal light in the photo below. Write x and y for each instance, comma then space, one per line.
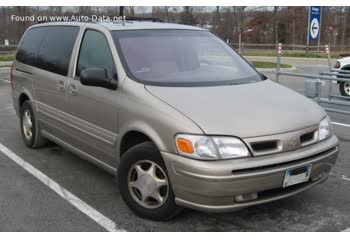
185, 145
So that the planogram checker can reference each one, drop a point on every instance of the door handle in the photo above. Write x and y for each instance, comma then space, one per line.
73, 90
60, 85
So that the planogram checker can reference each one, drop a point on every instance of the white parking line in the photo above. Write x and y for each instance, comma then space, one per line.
102, 220
346, 230
345, 178
5, 108
5, 80
341, 124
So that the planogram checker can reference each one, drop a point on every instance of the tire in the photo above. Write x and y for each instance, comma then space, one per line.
34, 139
144, 155
344, 88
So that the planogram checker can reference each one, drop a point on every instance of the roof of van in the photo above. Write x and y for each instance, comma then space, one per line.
127, 25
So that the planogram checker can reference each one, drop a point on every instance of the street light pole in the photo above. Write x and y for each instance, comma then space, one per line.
319, 34
240, 41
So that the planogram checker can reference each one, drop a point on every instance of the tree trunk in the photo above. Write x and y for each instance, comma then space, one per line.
275, 35
344, 27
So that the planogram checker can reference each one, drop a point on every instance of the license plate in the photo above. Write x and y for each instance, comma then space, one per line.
297, 175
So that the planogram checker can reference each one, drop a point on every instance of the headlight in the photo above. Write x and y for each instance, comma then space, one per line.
337, 65
206, 147
324, 129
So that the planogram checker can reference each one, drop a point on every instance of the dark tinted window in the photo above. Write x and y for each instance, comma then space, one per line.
95, 53
48, 48
29, 47
56, 49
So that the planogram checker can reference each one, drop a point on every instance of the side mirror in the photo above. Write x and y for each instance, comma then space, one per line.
263, 76
97, 77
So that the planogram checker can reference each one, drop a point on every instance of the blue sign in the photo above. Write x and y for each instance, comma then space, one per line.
315, 23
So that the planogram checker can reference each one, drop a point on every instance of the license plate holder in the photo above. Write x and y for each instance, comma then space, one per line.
297, 175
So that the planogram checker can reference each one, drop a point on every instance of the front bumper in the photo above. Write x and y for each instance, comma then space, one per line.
213, 185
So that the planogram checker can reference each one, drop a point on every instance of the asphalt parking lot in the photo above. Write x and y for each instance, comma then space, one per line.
90, 199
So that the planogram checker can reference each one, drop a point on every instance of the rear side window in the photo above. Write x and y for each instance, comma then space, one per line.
56, 49
29, 46
95, 53
48, 48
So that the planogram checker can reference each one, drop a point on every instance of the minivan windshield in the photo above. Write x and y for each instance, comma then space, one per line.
181, 58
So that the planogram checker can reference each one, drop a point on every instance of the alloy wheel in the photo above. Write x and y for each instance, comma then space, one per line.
347, 88
27, 125
148, 184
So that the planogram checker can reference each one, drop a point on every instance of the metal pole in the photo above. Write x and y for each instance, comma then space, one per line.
239, 41
308, 32
279, 51
328, 50
278, 68
320, 28
330, 89
330, 83
293, 29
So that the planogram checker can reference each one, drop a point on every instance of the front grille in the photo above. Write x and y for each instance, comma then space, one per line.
264, 146
272, 166
283, 142
307, 137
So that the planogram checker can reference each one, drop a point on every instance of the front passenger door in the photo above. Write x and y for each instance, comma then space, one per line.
93, 110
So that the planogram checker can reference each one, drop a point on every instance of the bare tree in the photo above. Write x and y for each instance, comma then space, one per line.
3, 25
21, 25
187, 17
142, 10
216, 18
254, 24
345, 22
84, 10
166, 11
275, 34
200, 15
131, 10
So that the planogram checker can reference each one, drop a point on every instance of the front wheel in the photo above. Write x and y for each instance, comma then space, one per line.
344, 88
144, 183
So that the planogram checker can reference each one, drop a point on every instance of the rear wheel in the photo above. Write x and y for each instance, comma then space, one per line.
31, 134
344, 88
144, 183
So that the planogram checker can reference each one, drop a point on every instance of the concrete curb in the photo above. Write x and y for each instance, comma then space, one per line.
5, 63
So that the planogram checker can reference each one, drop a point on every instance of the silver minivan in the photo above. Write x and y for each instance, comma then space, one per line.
173, 111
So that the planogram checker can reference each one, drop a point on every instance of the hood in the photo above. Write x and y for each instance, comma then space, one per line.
247, 110
344, 61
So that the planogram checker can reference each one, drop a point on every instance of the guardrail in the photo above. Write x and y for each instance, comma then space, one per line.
313, 89
247, 47
7, 49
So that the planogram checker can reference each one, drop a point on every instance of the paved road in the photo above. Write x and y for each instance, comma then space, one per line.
26, 204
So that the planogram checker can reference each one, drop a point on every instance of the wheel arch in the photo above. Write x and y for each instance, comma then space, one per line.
22, 98
346, 67
136, 135
24, 95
